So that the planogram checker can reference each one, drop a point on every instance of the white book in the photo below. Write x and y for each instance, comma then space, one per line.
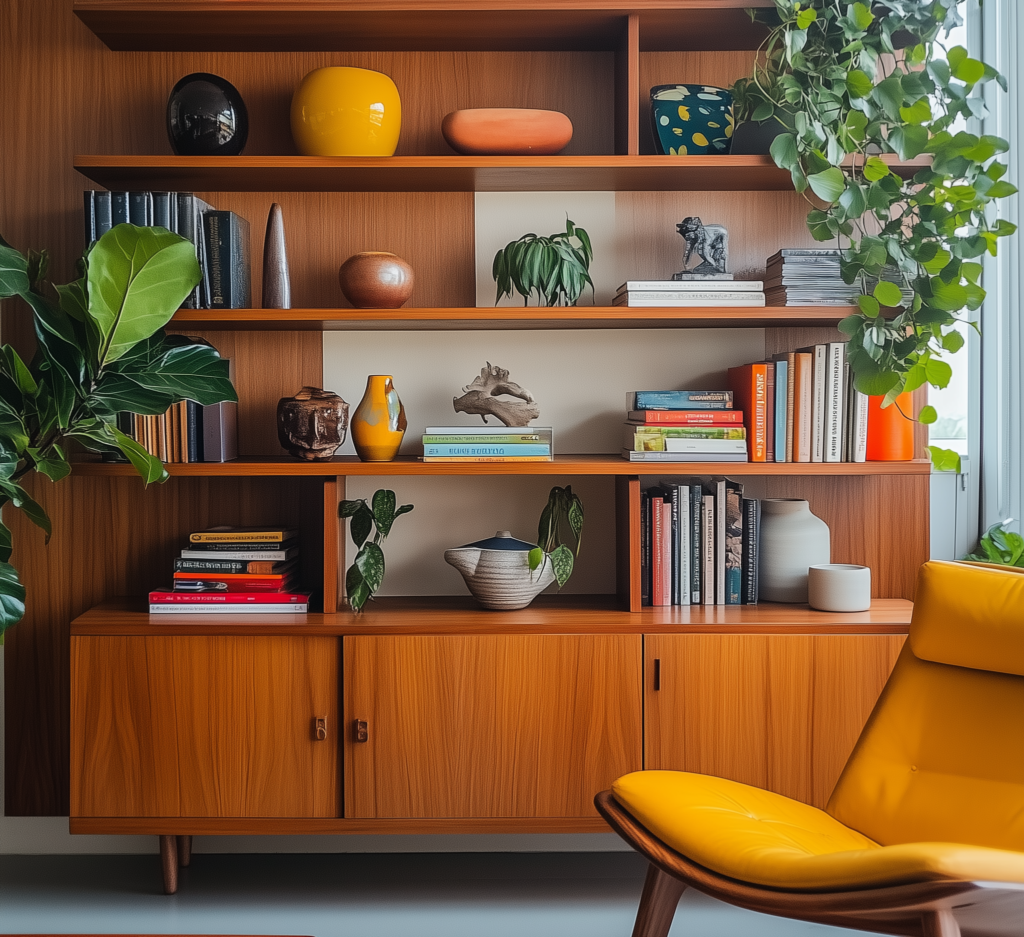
683, 541
730, 285
183, 608
708, 549
631, 455
641, 300
818, 385
240, 555
859, 431
487, 429
834, 394
682, 444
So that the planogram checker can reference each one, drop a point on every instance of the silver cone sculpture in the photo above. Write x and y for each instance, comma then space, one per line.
277, 287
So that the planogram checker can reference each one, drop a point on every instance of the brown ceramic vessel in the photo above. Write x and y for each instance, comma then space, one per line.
312, 424
376, 280
507, 131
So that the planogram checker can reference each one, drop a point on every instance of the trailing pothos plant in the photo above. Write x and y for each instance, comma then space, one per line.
852, 82
556, 267
366, 573
100, 351
564, 511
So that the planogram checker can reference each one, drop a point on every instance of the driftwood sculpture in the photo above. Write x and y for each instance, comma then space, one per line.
483, 396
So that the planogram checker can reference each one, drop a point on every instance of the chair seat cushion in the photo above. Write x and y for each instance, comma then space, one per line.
763, 838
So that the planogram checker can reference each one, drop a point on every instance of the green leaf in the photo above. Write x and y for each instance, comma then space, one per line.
909, 141
22, 500
859, 84
938, 372
917, 113
53, 468
118, 392
869, 306
948, 297
349, 507
18, 371
952, 342
944, 460
875, 169
362, 524
828, 185
12, 597
370, 562
889, 95
148, 466
187, 372
784, 152
1002, 189
138, 277
14, 279
535, 557
384, 510
561, 563
822, 226
576, 520
805, 17
927, 414
970, 71
887, 294
356, 588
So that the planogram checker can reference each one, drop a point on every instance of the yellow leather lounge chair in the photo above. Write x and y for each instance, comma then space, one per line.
924, 832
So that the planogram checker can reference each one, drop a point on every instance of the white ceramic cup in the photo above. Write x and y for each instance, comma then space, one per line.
839, 587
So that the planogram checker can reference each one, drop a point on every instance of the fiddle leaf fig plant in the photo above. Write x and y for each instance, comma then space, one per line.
852, 83
556, 268
365, 575
564, 511
100, 351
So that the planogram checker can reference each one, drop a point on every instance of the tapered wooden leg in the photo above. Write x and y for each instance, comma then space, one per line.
939, 924
184, 851
169, 860
658, 903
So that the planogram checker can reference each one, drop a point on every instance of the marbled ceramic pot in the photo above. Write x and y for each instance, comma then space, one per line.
379, 423
497, 571
691, 120
792, 541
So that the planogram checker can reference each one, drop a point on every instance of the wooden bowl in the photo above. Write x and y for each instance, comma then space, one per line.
376, 280
507, 131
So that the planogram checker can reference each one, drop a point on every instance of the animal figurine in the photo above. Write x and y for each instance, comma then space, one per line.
710, 243
483, 396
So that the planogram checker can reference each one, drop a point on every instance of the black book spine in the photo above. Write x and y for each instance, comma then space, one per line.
162, 210
119, 208
194, 427
751, 544
645, 548
674, 533
104, 213
227, 254
185, 226
214, 223
90, 216
696, 515
138, 208
241, 266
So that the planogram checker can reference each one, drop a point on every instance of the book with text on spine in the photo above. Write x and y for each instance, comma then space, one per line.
632, 456
684, 417
683, 286
679, 400
171, 608
243, 535
750, 391
246, 555
512, 449
162, 597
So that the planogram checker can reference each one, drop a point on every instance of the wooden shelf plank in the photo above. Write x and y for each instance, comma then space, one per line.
554, 614
508, 317
562, 465
416, 25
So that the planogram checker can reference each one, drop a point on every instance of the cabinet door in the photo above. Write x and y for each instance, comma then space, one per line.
489, 725
781, 712
204, 727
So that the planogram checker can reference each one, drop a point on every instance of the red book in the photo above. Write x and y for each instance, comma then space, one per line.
213, 585
226, 598
658, 596
686, 417
749, 385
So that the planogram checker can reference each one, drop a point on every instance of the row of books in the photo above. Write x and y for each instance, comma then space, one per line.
187, 432
683, 426
811, 277
721, 290
488, 444
801, 406
699, 543
220, 238
235, 569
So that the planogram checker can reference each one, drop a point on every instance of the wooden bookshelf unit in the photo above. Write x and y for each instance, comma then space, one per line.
477, 721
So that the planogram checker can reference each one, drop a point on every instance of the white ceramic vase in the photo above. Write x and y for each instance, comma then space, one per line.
497, 571
792, 541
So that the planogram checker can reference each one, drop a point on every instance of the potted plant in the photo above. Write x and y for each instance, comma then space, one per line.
556, 268
101, 350
365, 575
563, 514
852, 82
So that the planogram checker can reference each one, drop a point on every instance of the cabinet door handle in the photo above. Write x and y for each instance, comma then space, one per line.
657, 673
320, 728
362, 731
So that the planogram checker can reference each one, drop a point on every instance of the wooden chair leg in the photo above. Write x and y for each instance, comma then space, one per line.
184, 851
169, 861
939, 924
658, 903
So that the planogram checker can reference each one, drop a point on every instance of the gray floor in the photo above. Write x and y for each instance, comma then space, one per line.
412, 895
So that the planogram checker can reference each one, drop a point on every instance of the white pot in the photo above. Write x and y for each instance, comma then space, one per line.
792, 540
839, 587
497, 571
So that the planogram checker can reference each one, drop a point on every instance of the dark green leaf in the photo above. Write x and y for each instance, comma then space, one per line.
384, 510
13, 272
12, 597
828, 185
187, 372
362, 525
561, 563
370, 562
22, 500
349, 507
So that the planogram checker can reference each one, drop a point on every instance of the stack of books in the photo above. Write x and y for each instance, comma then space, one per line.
802, 407
220, 238
235, 569
683, 426
811, 277
711, 291
699, 543
488, 444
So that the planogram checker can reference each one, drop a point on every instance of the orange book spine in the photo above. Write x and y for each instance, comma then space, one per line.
749, 385
890, 433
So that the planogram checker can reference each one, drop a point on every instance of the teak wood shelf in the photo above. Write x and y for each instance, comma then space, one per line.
561, 465
446, 173
510, 317
411, 25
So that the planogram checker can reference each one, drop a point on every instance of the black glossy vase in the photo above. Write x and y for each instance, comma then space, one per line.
206, 116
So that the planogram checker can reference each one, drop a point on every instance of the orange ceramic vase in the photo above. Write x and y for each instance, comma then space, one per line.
890, 433
379, 423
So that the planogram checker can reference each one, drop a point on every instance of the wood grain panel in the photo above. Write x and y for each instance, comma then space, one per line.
204, 727
627, 542
489, 726
779, 712
627, 88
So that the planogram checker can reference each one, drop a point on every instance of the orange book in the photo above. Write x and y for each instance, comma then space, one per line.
749, 385
890, 433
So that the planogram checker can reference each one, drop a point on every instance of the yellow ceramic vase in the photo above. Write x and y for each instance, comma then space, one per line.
344, 111
379, 423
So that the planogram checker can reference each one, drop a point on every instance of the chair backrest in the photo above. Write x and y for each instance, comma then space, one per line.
941, 758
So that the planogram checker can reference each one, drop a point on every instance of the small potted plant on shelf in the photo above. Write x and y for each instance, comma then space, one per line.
556, 268
365, 575
850, 83
101, 350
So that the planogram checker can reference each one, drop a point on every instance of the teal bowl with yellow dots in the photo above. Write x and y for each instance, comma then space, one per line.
691, 120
